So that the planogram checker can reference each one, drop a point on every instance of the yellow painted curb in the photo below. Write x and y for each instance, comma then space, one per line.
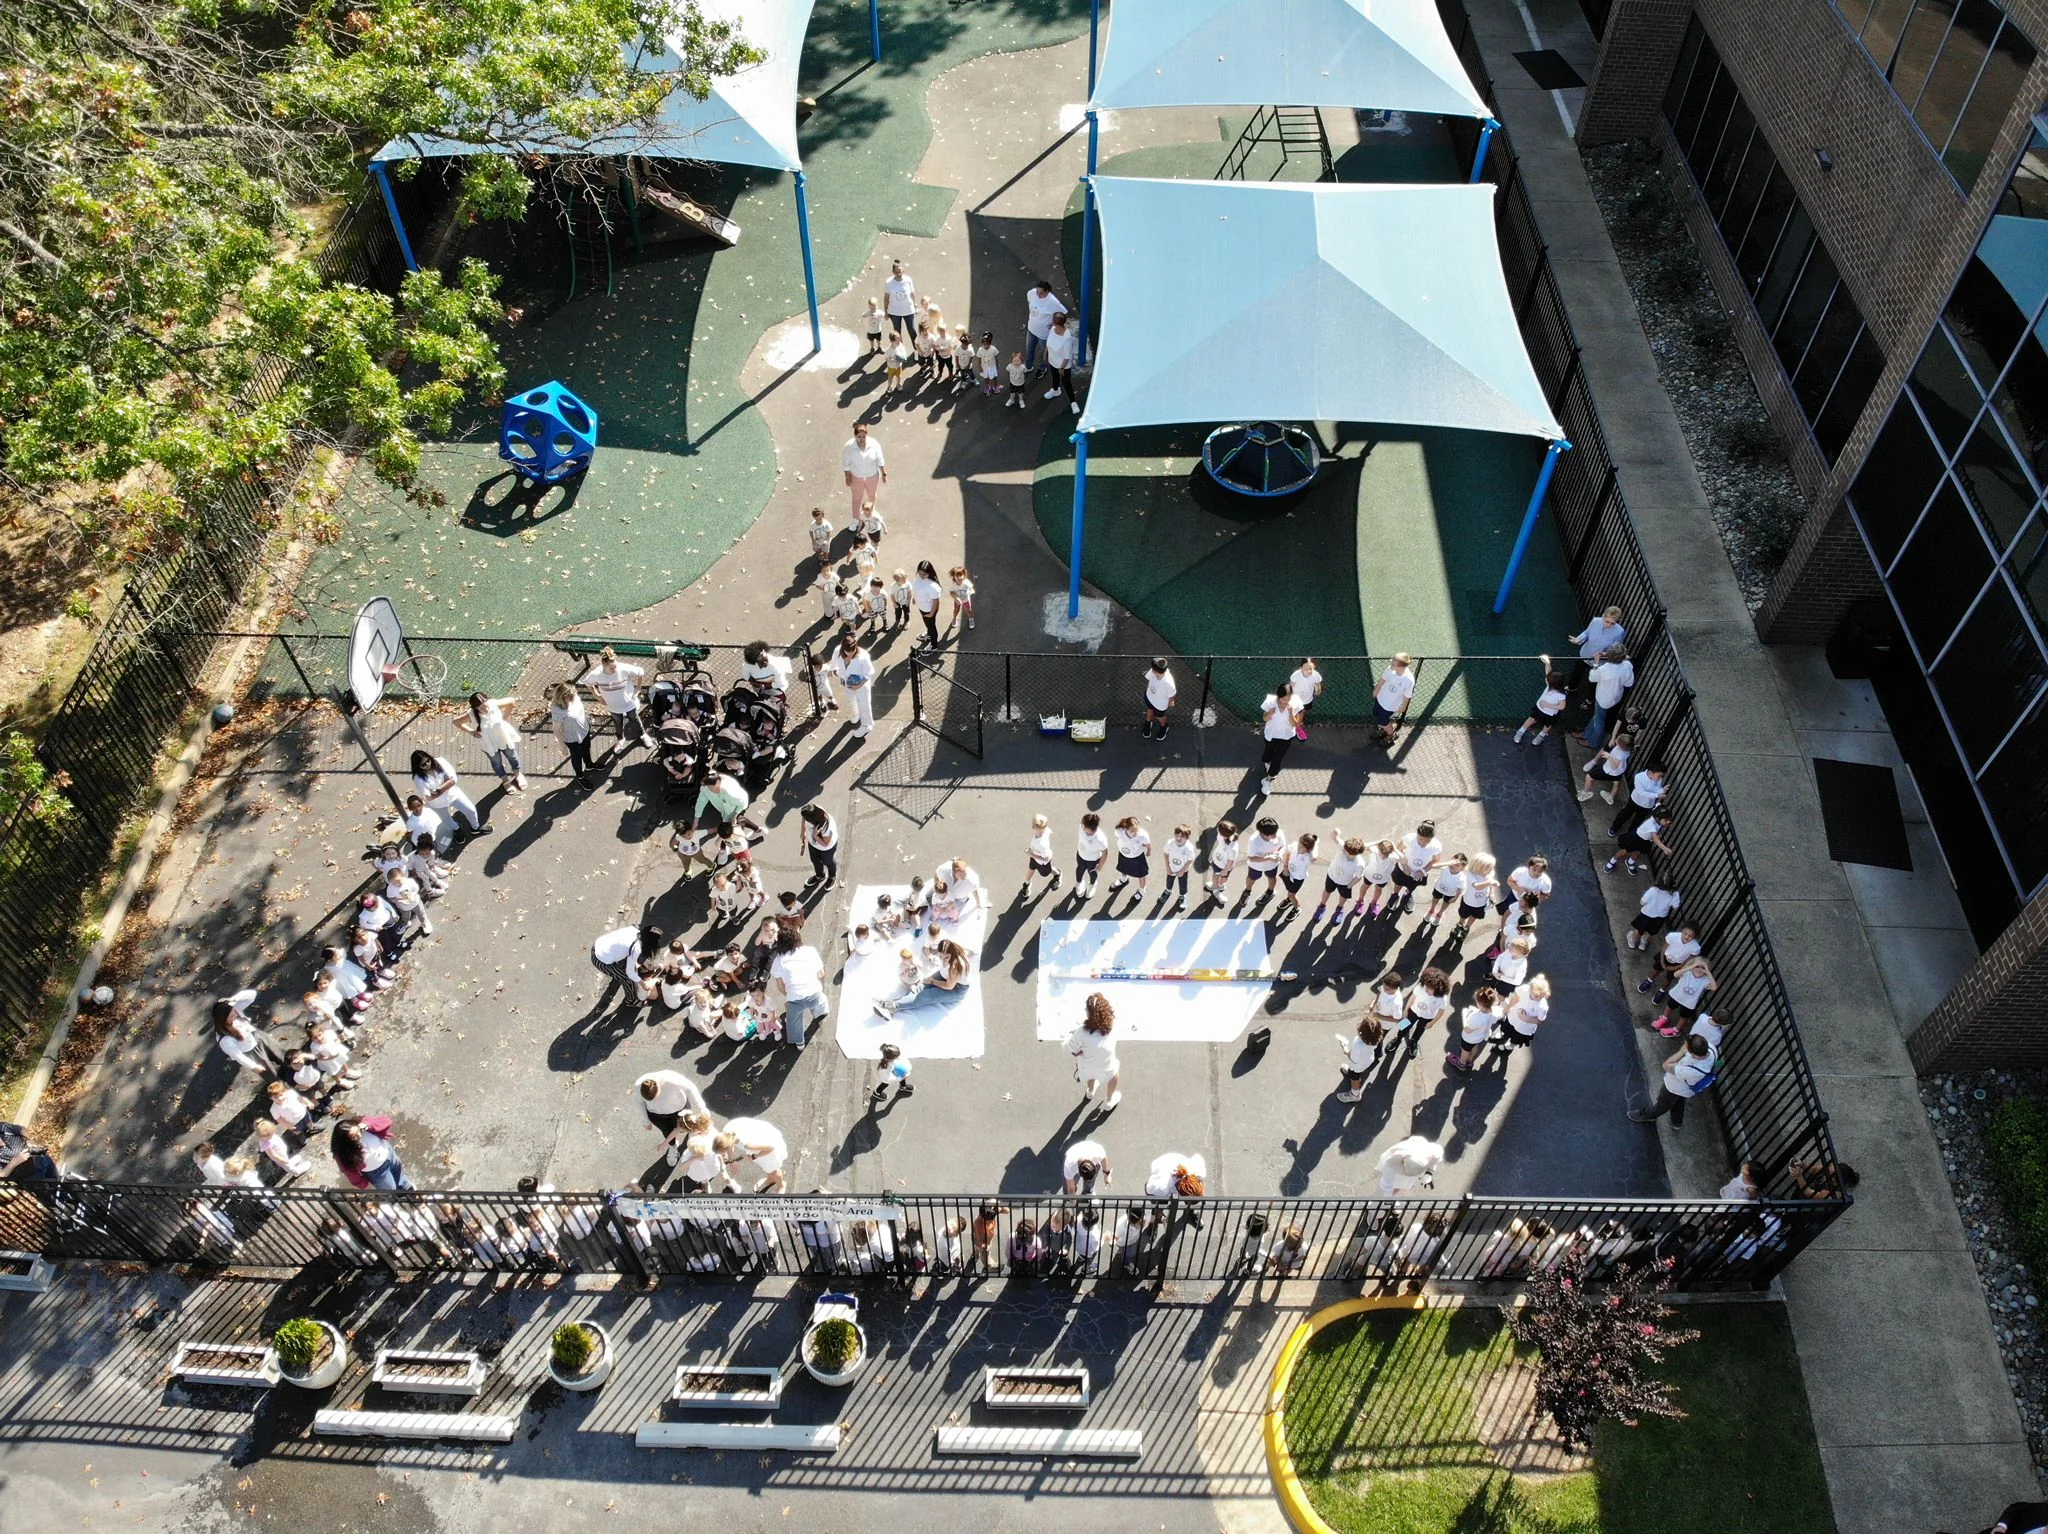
1279, 1463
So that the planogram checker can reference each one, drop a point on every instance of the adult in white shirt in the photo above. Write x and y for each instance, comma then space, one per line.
964, 883
1306, 684
665, 1096
1062, 350
1092, 1047
499, 737
855, 669
1686, 1075
1745, 1185
821, 841
1391, 698
1409, 1163
799, 971
1177, 1176
1281, 712
925, 592
766, 670
1040, 306
1612, 678
756, 1143
617, 956
435, 781
572, 726
865, 467
1160, 691
899, 301
619, 686
1085, 1164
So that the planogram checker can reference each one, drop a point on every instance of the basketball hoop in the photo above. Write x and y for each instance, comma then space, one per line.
418, 676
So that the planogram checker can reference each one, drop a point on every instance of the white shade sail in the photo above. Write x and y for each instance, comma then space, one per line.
749, 118
1390, 54
1248, 301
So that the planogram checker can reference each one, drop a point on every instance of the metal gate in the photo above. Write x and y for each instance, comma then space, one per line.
951, 710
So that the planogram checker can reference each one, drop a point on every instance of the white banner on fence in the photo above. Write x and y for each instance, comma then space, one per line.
756, 1208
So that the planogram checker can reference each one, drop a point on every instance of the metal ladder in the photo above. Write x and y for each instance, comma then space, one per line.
1297, 130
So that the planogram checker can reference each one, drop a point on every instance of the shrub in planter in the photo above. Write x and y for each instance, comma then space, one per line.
834, 1344
297, 1344
573, 1347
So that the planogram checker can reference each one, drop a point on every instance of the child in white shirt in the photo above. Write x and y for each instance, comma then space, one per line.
875, 326
845, 605
861, 940
898, 365
1179, 853
987, 359
1376, 876
875, 606
900, 599
863, 558
1549, 704
272, 1143
1038, 862
1444, 891
892, 1070
1346, 869
1017, 373
963, 594
871, 522
725, 898
821, 537
1222, 858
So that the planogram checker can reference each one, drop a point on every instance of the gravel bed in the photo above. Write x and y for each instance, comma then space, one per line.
1959, 1107
1756, 502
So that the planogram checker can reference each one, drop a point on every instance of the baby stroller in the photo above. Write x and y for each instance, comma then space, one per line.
698, 698
677, 751
664, 702
761, 720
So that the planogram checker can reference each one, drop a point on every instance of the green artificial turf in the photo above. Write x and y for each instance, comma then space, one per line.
685, 463
1382, 1420
1399, 545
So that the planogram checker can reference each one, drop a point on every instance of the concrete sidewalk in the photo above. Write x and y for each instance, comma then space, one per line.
1916, 1419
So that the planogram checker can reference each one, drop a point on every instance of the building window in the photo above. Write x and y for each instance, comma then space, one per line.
1952, 502
1955, 66
1830, 360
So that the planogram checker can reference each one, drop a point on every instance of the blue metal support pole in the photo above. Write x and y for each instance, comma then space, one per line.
875, 28
1487, 129
391, 207
1094, 31
803, 233
1080, 441
1507, 582
1087, 292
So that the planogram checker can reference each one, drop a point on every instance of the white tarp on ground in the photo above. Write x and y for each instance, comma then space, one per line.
1243, 301
1198, 1011
748, 119
952, 1026
1392, 54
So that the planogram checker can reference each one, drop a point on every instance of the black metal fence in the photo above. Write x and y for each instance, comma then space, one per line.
1021, 688
1106, 1236
110, 730
1765, 1095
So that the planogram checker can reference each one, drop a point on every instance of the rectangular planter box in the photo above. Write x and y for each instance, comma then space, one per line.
225, 1363
822, 1439
727, 1385
24, 1273
473, 1427
1056, 1389
429, 1373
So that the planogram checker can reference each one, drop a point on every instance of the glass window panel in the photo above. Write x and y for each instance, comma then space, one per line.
1881, 31
1681, 77
1985, 318
1995, 483
2027, 566
1925, 32
1991, 673
1727, 161
1844, 407
1829, 349
2026, 195
1685, 121
1976, 130
2011, 787
1809, 302
1898, 475
1787, 261
1944, 566
1706, 139
1948, 88
1946, 392
2021, 400
1853, 12
1764, 228
1758, 166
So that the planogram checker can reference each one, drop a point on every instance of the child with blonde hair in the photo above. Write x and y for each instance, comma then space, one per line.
875, 326
1475, 900
1018, 373
944, 350
897, 365
1038, 863
899, 598
924, 349
271, 1141
962, 591
963, 349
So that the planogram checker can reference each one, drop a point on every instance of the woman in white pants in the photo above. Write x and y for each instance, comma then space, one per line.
434, 780
856, 669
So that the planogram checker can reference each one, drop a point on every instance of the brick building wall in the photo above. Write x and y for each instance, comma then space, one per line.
1997, 1015
1625, 98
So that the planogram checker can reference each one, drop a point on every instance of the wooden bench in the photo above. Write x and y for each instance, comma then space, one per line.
1042, 1442
471, 1427
823, 1438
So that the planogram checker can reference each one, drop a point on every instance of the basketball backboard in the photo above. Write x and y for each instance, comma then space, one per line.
376, 645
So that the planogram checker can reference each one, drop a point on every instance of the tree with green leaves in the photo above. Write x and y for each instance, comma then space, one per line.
1595, 1342
164, 330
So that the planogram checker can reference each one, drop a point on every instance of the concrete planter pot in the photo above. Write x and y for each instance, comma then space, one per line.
597, 1370
324, 1372
845, 1374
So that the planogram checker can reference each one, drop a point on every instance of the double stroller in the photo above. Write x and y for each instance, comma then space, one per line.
754, 731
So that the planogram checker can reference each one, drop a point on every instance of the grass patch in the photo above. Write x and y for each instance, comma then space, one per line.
1422, 1423
2019, 1166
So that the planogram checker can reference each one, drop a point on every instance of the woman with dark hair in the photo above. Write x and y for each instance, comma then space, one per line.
434, 780
619, 955
821, 841
925, 592
952, 971
241, 1040
366, 1150
498, 736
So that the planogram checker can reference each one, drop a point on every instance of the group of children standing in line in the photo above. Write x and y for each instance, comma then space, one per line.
860, 601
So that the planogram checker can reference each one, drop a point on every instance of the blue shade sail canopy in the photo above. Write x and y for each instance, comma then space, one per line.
749, 118
1240, 301
1390, 54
